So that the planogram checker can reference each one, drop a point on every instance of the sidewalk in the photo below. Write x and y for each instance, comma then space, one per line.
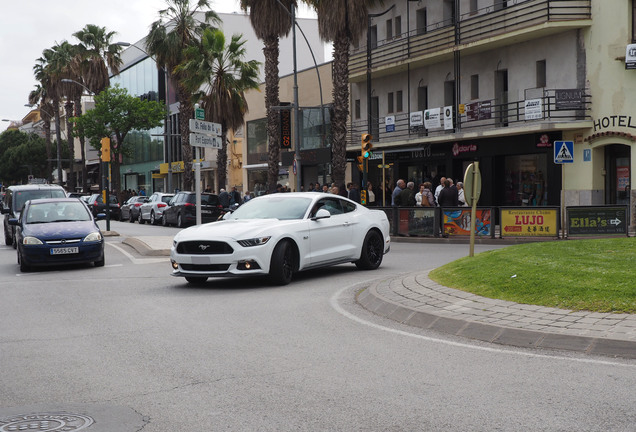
417, 301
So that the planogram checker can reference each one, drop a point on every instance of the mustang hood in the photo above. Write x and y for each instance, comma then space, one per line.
235, 229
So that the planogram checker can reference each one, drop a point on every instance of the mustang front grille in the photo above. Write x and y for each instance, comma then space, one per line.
204, 248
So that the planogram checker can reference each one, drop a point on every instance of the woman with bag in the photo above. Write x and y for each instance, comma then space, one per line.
424, 198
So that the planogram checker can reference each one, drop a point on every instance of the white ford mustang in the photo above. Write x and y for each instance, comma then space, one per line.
280, 234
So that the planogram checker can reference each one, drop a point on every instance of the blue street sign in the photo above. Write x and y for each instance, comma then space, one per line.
563, 152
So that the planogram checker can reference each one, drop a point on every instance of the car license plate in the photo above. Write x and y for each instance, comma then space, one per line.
64, 250
206, 211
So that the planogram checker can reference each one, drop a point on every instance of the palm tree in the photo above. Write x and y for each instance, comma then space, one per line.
343, 22
218, 77
40, 98
271, 22
95, 56
177, 29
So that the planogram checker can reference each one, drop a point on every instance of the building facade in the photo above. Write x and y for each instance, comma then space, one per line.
440, 84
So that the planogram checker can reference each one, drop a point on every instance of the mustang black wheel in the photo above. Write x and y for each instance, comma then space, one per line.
372, 251
196, 279
282, 266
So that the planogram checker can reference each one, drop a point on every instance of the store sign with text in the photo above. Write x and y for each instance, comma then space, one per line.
529, 222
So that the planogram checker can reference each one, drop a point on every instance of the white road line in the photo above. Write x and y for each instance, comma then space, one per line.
340, 310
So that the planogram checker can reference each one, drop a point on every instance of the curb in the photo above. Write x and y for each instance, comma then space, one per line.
372, 301
142, 248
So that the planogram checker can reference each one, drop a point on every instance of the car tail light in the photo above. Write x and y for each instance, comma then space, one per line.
189, 205
161, 205
137, 204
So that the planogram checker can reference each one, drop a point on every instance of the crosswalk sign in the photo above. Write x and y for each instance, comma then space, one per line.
563, 152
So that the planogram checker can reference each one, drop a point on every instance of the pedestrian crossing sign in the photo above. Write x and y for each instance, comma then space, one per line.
563, 152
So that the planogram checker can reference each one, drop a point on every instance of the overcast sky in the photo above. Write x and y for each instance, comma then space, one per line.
28, 27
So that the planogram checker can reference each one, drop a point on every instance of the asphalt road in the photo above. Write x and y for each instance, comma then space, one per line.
127, 347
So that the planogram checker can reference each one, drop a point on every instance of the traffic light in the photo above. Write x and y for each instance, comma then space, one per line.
366, 145
363, 197
105, 149
360, 163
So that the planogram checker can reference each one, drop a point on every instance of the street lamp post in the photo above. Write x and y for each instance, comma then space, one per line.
168, 134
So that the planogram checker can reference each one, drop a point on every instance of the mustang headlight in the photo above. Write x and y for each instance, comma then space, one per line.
258, 241
31, 241
93, 237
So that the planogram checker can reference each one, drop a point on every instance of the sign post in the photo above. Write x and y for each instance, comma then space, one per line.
472, 192
203, 134
563, 153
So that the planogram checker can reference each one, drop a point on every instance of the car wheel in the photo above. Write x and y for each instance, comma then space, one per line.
372, 252
101, 262
8, 240
23, 266
164, 220
281, 268
131, 219
15, 242
153, 220
141, 219
179, 221
196, 279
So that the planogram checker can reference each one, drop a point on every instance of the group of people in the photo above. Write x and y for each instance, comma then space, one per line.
447, 194
351, 191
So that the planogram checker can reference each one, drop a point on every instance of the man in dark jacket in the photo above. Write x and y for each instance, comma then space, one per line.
406, 198
448, 197
354, 193
224, 198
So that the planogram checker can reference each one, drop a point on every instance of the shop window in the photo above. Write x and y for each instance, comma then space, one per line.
526, 181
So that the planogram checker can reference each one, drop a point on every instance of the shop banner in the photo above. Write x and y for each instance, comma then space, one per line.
432, 118
530, 222
597, 220
457, 222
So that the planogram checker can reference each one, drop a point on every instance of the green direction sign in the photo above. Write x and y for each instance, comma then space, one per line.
199, 114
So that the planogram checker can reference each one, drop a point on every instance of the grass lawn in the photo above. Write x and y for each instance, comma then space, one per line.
594, 275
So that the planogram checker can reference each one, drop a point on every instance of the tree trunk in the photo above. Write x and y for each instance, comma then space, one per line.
221, 159
49, 153
340, 108
186, 112
70, 183
271, 52
58, 142
78, 113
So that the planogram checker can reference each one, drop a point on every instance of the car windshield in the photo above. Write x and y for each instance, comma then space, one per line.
57, 212
24, 196
282, 207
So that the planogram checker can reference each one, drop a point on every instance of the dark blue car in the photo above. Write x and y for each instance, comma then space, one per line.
57, 231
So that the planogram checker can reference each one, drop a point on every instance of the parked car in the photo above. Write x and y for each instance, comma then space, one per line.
152, 208
96, 205
130, 209
181, 210
56, 231
278, 235
16, 196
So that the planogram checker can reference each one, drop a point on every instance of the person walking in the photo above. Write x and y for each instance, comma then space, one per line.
399, 187
439, 188
406, 198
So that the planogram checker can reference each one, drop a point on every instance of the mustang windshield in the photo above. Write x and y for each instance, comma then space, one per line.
273, 208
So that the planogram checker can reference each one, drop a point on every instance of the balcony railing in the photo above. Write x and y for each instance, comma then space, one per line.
485, 114
440, 38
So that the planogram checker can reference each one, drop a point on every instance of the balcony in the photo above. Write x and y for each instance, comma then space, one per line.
481, 30
493, 117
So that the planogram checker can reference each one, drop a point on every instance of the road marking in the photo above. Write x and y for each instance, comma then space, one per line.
340, 310
138, 260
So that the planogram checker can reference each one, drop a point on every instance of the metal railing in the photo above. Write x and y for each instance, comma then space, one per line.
439, 39
485, 114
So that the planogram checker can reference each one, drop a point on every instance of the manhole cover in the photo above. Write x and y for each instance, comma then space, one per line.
50, 422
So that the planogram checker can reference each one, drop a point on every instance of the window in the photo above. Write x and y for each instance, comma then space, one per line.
541, 73
473, 7
398, 101
420, 21
449, 93
357, 109
634, 21
390, 102
422, 98
389, 29
398, 26
474, 86
374, 37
